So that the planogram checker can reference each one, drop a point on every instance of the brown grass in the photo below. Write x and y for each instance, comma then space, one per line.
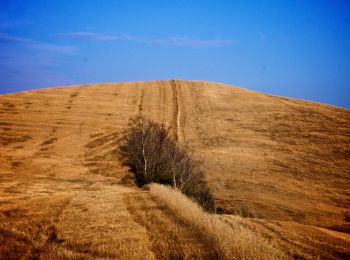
297, 240
170, 235
101, 220
229, 243
94, 223
282, 163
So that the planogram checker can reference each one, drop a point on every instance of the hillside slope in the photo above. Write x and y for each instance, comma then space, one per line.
276, 159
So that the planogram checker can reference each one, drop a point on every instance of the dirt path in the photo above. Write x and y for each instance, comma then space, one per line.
140, 108
177, 112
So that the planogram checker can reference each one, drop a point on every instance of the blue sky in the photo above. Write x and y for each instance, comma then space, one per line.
298, 49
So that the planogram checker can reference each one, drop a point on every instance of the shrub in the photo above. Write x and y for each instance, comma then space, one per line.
147, 148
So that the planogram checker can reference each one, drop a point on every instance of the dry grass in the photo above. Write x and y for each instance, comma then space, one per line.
93, 223
297, 240
265, 157
171, 237
229, 243
103, 220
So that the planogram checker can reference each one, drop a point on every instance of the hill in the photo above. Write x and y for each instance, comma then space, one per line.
279, 167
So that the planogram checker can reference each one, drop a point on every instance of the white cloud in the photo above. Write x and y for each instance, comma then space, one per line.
181, 41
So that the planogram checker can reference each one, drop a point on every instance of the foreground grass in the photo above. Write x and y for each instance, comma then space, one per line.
229, 243
111, 221
92, 223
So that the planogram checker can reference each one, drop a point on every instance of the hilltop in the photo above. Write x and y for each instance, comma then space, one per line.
278, 167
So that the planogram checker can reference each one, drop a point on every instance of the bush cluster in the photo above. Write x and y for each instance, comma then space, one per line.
147, 148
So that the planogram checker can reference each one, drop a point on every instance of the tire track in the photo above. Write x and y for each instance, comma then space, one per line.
176, 113
140, 105
161, 102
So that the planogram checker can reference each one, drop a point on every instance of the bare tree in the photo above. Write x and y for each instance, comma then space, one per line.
153, 156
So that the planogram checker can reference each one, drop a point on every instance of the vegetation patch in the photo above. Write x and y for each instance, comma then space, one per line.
10, 140
75, 94
147, 148
8, 105
15, 164
50, 141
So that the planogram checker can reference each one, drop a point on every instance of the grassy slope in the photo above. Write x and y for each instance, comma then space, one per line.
277, 159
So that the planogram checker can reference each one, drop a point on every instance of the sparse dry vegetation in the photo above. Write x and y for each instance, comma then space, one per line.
282, 163
153, 156
229, 243
91, 224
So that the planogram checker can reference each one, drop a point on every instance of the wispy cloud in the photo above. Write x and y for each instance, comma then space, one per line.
93, 36
181, 41
31, 43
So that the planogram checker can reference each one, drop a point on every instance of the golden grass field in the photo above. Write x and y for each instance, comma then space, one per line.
279, 167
